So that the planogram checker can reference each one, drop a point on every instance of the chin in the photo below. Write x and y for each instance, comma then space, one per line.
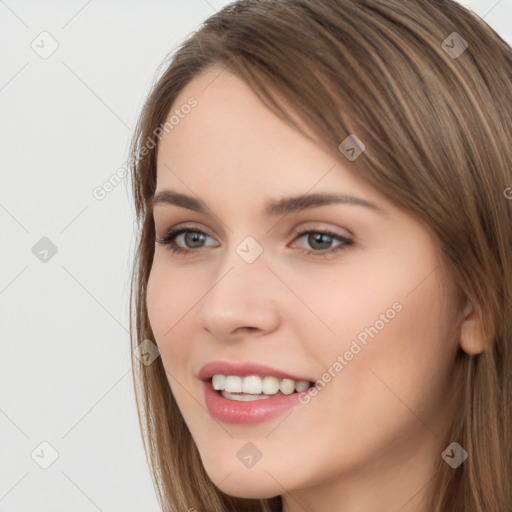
244, 488
244, 482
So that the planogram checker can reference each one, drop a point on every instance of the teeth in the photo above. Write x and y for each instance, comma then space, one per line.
255, 385
233, 383
242, 397
252, 385
218, 381
287, 386
302, 385
270, 385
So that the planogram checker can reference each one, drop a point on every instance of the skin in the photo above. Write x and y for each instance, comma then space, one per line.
370, 437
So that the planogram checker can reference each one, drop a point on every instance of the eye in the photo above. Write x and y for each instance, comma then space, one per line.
188, 240
192, 239
321, 242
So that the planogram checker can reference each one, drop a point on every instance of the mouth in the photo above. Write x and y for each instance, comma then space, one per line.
247, 393
261, 404
255, 387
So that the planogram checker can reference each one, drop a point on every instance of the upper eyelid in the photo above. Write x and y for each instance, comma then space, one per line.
179, 227
194, 226
178, 230
294, 231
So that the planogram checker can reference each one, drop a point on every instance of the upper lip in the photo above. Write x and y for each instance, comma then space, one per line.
243, 369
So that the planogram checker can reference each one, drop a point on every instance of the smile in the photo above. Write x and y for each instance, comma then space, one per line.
250, 408
246, 392
254, 387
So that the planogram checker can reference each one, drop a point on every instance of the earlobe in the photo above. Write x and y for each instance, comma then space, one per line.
471, 335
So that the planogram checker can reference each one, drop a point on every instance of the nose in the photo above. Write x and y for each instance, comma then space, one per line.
242, 301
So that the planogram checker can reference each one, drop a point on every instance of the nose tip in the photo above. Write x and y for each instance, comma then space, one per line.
240, 304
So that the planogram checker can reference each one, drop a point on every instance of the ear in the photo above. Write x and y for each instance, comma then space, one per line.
471, 335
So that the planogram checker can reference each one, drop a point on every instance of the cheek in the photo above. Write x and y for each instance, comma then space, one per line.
396, 362
404, 305
338, 305
170, 297
388, 336
171, 293
390, 386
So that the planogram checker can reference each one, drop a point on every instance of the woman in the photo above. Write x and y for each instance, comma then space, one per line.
323, 190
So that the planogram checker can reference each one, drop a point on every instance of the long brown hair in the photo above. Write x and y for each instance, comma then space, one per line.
436, 120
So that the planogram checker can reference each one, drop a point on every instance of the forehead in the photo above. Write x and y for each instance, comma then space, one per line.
230, 142
230, 121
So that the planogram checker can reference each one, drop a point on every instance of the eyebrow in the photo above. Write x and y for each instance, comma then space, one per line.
273, 207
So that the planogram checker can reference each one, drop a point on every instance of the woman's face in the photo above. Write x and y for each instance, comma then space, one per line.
368, 309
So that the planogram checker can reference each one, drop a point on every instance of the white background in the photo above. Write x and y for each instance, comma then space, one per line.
65, 126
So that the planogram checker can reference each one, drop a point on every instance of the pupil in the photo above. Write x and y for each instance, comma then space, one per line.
317, 239
193, 239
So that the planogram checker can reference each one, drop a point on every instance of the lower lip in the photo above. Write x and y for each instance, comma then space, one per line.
257, 411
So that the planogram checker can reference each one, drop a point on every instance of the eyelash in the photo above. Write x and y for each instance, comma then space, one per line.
171, 235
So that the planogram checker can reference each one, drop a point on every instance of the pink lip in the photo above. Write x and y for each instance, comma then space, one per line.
243, 370
231, 411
